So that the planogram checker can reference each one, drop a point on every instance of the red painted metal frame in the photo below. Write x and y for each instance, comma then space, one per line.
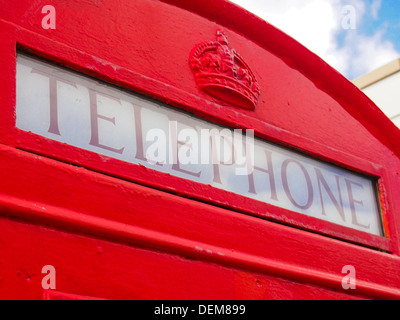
70, 154
204, 232
307, 262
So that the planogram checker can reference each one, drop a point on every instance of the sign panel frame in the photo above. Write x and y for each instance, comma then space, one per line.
102, 70
71, 108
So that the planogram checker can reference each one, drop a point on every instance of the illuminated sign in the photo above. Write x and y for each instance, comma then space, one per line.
77, 110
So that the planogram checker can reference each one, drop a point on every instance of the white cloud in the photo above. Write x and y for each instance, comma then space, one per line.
311, 22
375, 7
369, 52
317, 24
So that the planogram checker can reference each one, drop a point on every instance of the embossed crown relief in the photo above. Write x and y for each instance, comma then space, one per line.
222, 73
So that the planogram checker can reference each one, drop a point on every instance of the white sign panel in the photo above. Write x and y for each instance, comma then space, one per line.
77, 110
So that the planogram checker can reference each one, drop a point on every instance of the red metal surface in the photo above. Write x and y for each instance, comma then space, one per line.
60, 207
221, 72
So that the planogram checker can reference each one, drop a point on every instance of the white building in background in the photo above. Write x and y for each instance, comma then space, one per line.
382, 86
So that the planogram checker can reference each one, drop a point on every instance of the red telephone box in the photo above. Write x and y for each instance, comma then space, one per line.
167, 149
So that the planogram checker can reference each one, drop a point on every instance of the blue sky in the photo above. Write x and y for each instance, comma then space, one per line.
354, 36
388, 19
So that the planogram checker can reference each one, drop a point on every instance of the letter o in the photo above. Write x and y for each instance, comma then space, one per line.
286, 184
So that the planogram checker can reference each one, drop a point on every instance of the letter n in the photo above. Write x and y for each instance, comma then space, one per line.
49, 280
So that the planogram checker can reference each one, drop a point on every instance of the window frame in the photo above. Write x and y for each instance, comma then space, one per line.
85, 64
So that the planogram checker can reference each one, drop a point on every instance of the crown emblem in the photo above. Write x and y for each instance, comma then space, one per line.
222, 73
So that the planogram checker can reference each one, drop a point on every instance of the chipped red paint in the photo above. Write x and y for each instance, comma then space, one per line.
115, 230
